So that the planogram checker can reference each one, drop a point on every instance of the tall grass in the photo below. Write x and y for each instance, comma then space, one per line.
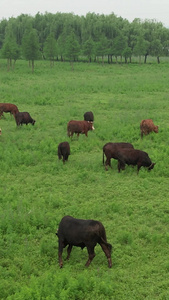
37, 190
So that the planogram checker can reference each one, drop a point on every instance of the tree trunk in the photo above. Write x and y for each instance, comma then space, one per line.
158, 59
32, 66
8, 64
145, 58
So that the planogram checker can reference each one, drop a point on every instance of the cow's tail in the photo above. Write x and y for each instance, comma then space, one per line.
107, 244
103, 157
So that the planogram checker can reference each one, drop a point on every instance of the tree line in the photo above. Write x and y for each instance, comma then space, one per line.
65, 36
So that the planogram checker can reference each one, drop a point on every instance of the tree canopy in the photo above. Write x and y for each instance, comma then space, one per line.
66, 36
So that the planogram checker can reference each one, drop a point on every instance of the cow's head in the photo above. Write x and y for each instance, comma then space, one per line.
33, 122
151, 166
91, 126
156, 129
0, 131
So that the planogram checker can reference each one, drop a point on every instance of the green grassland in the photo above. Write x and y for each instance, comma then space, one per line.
37, 190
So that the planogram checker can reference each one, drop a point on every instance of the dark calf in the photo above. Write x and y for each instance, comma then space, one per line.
63, 151
135, 158
24, 118
82, 233
88, 116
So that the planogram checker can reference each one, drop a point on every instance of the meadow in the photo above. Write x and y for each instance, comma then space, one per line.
37, 190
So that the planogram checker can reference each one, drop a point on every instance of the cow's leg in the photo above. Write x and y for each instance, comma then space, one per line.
2, 115
119, 166
91, 255
60, 253
108, 163
107, 253
138, 167
69, 249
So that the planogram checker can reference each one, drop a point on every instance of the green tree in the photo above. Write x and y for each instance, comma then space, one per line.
30, 46
140, 46
157, 49
50, 48
102, 48
72, 48
88, 49
10, 49
119, 45
127, 53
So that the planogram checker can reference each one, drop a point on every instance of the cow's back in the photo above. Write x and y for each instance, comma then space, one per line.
8, 107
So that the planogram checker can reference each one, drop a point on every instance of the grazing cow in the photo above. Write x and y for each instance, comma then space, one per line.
133, 157
88, 116
78, 127
63, 151
8, 107
82, 233
23, 118
110, 150
147, 126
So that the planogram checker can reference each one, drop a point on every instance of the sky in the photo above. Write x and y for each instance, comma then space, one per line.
127, 9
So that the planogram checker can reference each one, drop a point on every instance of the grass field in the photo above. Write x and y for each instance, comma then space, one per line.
37, 190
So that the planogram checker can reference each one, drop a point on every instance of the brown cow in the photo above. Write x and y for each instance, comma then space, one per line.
110, 151
82, 233
63, 151
8, 107
79, 127
147, 126
135, 158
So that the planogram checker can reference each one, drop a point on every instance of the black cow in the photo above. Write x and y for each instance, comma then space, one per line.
79, 127
63, 151
88, 116
82, 233
133, 157
110, 150
24, 118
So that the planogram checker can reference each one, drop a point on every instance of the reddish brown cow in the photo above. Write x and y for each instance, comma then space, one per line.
82, 233
79, 127
147, 126
63, 151
135, 158
110, 150
8, 107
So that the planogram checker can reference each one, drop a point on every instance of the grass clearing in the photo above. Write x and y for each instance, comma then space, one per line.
37, 190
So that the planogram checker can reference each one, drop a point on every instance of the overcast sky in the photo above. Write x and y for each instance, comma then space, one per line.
127, 9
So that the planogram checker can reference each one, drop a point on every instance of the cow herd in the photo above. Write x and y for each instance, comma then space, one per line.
87, 233
20, 117
123, 152
79, 232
